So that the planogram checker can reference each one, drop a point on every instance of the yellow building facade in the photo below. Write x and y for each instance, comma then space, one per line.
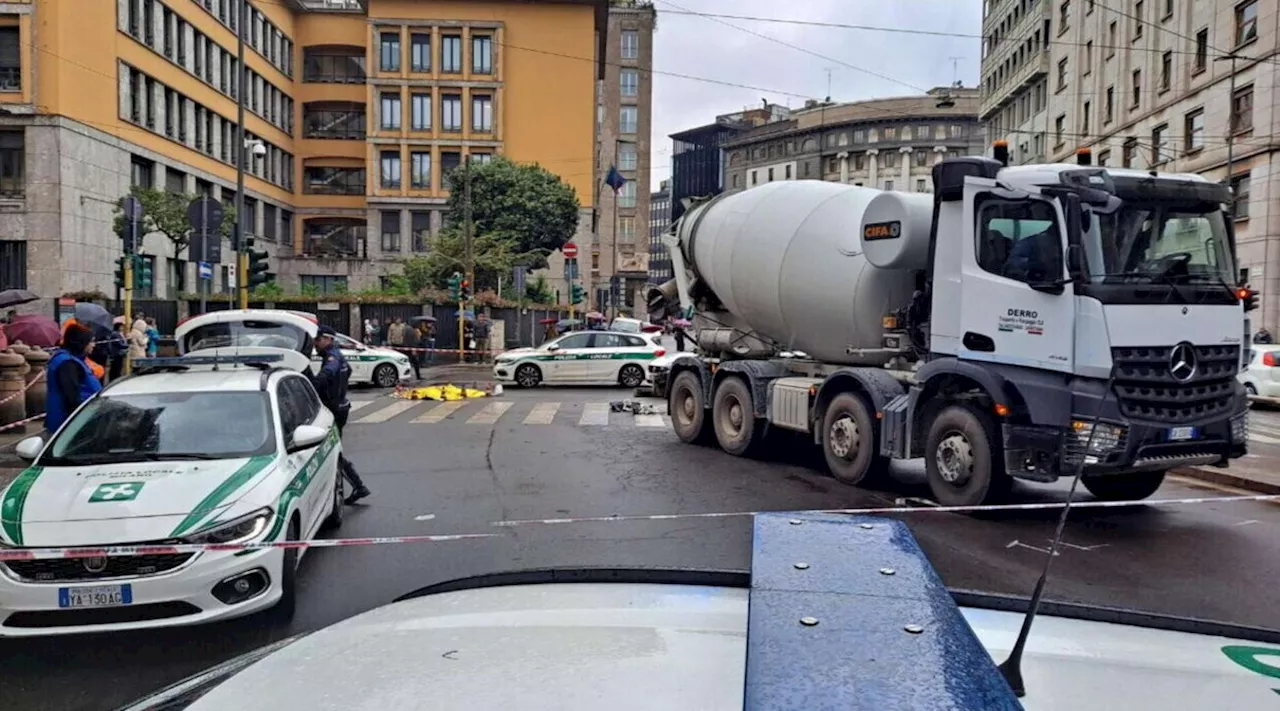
355, 111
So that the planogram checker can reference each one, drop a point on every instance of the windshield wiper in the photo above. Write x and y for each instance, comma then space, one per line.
160, 456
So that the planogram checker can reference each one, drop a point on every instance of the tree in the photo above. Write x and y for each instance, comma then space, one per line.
524, 204
539, 292
494, 257
166, 213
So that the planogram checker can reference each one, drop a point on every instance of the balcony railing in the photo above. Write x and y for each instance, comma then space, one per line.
334, 181
333, 68
10, 78
347, 125
335, 241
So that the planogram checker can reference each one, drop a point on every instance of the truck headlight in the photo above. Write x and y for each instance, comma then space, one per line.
1106, 437
245, 528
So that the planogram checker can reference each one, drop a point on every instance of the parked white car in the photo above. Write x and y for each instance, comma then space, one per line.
581, 357
207, 449
372, 365
1262, 376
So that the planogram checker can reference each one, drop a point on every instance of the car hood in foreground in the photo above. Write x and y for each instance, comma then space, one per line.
653, 646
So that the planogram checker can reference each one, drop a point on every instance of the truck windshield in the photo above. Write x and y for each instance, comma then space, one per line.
1155, 242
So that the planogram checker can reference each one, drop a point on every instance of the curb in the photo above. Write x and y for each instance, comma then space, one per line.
1224, 477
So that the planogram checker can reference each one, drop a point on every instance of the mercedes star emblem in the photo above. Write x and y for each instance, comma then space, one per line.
1182, 362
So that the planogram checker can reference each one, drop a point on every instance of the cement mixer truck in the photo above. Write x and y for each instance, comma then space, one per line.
1025, 322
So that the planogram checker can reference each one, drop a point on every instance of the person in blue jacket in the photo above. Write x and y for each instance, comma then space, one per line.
331, 386
70, 380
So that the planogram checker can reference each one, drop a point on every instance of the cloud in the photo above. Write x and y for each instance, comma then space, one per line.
706, 47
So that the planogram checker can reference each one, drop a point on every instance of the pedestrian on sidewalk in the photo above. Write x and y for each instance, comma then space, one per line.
70, 379
413, 343
331, 386
482, 329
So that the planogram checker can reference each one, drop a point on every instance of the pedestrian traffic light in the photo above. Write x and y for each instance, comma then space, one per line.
142, 273
576, 294
455, 287
258, 272
1249, 297
120, 262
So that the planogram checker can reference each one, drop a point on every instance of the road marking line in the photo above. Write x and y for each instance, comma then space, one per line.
544, 413
594, 413
424, 517
489, 414
1246, 523
387, 412
438, 413
1265, 439
1017, 543
650, 421
357, 404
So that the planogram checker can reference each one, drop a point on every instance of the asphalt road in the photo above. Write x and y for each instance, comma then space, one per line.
481, 465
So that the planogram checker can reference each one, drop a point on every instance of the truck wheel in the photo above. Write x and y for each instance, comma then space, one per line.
962, 462
732, 417
849, 441
688, 409
1124, 487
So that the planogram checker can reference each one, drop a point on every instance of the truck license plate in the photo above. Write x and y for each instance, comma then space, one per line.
1179, 434
96, 596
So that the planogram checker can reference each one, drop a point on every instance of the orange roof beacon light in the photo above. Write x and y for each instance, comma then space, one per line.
1000, 151
1084, 156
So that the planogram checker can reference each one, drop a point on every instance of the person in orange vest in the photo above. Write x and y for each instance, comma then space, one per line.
98, 371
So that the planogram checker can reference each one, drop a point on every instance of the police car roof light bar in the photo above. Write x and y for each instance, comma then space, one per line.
214, 360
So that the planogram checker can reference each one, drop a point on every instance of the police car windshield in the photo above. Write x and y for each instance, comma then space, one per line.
184, 425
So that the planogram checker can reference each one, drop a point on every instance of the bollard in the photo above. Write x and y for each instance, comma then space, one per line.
13, 406
37, 393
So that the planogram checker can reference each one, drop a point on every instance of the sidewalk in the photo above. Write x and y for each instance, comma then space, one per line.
1250, 473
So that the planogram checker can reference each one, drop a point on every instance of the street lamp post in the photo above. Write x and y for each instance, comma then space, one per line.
237, 241
1231, 123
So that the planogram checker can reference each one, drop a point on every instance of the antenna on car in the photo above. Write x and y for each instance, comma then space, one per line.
1011, 668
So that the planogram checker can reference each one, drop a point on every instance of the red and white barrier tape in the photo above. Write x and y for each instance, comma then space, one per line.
103, 551
25, 388
899, 510
19, 423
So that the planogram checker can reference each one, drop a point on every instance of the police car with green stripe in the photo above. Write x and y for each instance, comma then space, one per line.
224, 446
581, 358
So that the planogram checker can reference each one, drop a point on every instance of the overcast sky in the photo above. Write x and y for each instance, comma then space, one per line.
705, 47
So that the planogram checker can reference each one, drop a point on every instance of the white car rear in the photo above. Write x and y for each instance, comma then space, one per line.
1262, 376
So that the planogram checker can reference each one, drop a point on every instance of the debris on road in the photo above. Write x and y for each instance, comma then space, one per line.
632, 406
447, 392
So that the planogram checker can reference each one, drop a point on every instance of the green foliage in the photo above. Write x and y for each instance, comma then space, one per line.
311, 291
494, 257
539, 292
166, 213
269, 291
526, 205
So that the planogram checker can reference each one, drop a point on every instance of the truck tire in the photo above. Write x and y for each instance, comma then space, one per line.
688, 409
849, 441
732, 417
1125, 487
962, 461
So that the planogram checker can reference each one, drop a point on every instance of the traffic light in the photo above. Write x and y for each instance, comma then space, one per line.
258, 273
576, 294
455, 287
120, 262
466, 290
1249, 297
143, 278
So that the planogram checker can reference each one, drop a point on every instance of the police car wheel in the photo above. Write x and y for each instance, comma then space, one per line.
334, 519
528, 376
631, 376
288, 604
385, 376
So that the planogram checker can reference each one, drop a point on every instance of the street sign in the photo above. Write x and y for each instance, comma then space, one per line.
570, 250
205, 270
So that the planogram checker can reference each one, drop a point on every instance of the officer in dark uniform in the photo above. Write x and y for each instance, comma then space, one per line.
331, 385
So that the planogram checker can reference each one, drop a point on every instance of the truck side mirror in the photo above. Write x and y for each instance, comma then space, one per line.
1075, 261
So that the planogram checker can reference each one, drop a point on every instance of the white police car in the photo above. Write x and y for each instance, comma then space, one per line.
212, 448
581, 357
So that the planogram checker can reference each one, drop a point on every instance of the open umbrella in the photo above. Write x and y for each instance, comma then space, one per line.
34, 330
16, 297
595, 316
422, 319
95, 318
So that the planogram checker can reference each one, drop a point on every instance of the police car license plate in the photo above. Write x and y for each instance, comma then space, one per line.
96, 596
1180, 434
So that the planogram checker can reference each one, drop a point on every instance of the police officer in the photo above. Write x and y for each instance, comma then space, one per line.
331, 385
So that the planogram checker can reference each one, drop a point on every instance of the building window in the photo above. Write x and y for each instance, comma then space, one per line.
142, 173
1138, 20
451, 54
630, 44
389, 51
482, 113
1088, 57
390, 231
420, 108
420, 229
1246, 22
1062, 74
628, 118
627, 156
319, 180
1113, 38
481, 158
1109, 105
786, 170
391, 111
1194, 129
1059, 128
920, 186
1202, 50
626, 230
175, 181
420, 169
482, 54
1128, 151
1103, 158
888, 185
323, 284
1136, 88
269, 230
1160, 144
1168, 9
10, 60
13, 264
627, 195
921, 158
391, 169
1242, 110
770, 175
449, 162
420, 53
1240, 191
451, 112
755, 178
12, 164
1166, 71
629, 82
1084, 119
1064, 15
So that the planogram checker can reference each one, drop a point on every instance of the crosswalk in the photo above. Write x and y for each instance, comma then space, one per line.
488, 412
1264, 427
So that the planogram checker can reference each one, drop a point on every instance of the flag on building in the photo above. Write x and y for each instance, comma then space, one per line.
615, 180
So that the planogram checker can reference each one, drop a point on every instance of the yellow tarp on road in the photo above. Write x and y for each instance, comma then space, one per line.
441, 393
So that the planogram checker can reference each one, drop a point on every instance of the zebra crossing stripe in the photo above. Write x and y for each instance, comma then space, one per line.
594, 413
439, 412
387, 412
489, 414
544, 413
650, 421
357, 404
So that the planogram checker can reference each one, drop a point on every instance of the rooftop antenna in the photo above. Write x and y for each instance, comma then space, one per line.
948, 101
